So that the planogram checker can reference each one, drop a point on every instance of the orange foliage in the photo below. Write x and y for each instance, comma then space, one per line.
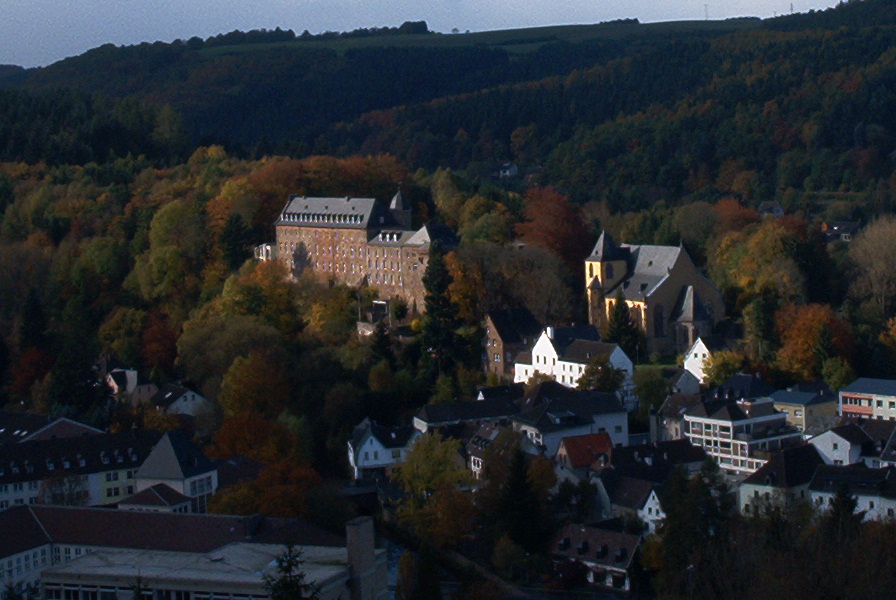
554, 223
34, 364
801, 328
733, 216
251, 435
281, 490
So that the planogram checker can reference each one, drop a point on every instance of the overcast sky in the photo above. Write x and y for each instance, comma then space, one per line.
40, 32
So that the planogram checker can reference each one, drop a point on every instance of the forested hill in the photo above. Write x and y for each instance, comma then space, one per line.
640, 111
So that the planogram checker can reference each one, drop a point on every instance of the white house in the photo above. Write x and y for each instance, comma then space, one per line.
841, 445
178, 463
697, 358
563, 353
873, 489
784, 479
375, 450
177, 400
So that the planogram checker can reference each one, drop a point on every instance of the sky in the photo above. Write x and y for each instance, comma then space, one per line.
41, 32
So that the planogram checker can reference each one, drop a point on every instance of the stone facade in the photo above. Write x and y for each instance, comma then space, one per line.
356, 242
669, 299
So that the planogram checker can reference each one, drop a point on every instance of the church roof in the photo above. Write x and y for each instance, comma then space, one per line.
606, 249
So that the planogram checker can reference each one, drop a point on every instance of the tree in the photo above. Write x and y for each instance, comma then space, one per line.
874, 253
521, 514
810, 334
440, 323
554, 223
622, 330
841, 521
234, 241
64, 491
288, 580
721, 365
601, 376
258, 382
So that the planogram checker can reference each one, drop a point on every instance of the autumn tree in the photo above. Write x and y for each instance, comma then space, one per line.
258, 382
721, 365
874, 253
554, 223
810, 334
600, 375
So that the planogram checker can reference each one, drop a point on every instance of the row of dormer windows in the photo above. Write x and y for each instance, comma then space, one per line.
322, 218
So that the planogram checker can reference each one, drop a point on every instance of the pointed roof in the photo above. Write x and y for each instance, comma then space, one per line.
790, 467
175, 457
689, 308
157, 495
398, 202
606, 249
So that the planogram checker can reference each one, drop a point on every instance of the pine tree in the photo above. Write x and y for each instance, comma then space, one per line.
289, 583
440, 339
234, 241
622, 330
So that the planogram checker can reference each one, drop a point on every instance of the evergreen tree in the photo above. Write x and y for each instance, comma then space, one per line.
842, 522
440, 339
621, 329
288, 582
34, 323
520, 515
234, 241
381, 345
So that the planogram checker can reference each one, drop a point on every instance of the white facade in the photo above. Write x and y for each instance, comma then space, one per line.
613, 424
696, 360
372, 454
652, 512
835, 450
547, 361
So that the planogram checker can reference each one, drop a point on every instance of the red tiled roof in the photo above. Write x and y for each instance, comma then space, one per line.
583, 450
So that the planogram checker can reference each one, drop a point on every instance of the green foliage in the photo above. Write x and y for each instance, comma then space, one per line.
440, 323
600, 375
288, 580
651, 389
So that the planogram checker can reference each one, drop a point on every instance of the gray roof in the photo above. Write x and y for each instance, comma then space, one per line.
339, 213
43, 459
689, 308
459, 411
573, 410
791, 396
582, 351
609, 549
513, 325
791, 467
156, 495
859, 479
175, 457
389, 437
868, 385
606, 249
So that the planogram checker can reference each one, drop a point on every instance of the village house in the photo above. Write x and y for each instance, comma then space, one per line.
563, 354
553, 412
631, 498
374, 450
579, 456
669, 299
18, 427
173, 399
666, 423
354, 241
783, 480
808, 408
608, 556
873, 489
488, 411
130, 385
697, 358
508, 332
178, 463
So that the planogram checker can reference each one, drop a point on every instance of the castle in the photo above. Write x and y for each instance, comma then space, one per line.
354, 241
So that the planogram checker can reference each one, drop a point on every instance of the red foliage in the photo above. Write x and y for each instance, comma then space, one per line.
554, 223
33, 365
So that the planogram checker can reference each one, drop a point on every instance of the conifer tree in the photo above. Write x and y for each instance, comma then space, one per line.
622, 330
440, 339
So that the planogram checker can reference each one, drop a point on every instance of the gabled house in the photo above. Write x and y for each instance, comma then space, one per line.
784, 479
477, 445
843, 445
563, 354
130, 385
175, 399
375, 450
178, 463
873, 489
667, 423
157, 498
631, 497
742, 386
507, 333
608, 556
26, 427
840, 231
579, 455
494, 411
697, 358
655, 462
561, 412
668, 298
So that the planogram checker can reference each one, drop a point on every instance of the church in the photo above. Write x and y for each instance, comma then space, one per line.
668, 298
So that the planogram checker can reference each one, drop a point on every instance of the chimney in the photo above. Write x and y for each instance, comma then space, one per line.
367, 578
550, 332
